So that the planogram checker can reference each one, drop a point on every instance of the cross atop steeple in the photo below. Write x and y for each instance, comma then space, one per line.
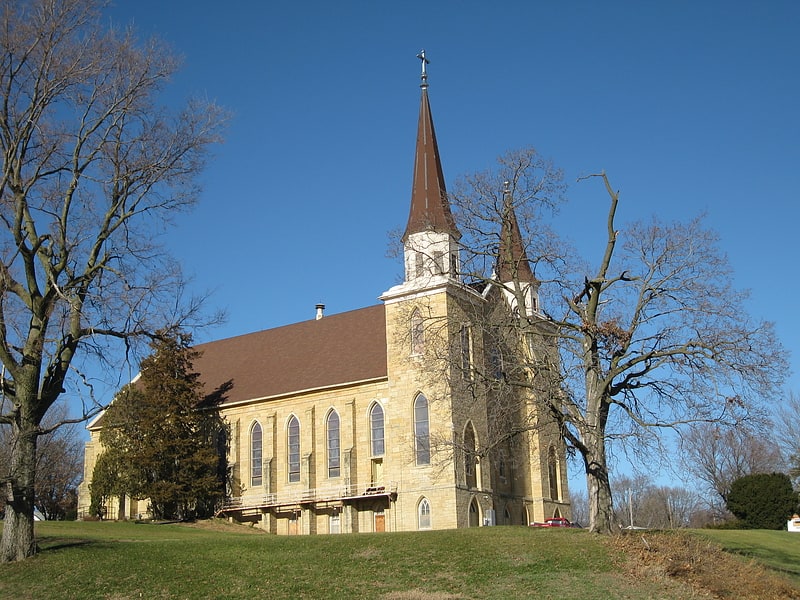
425, 62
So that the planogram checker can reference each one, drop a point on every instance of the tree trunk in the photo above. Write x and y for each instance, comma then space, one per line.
601, 508
18, 541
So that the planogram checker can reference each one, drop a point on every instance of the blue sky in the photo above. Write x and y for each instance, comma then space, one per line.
689, 106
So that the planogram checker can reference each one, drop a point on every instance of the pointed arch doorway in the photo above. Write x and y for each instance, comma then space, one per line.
474, 514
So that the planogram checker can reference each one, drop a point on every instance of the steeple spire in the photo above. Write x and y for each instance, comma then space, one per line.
430, 209
512, 261
513, 270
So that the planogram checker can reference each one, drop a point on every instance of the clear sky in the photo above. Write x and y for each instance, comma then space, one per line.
689, 107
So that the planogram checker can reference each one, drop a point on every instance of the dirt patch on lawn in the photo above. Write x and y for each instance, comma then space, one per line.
710, 570
226, 526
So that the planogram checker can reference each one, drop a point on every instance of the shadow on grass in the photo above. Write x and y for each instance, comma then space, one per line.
48, 544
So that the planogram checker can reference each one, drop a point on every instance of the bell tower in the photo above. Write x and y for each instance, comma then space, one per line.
421, 320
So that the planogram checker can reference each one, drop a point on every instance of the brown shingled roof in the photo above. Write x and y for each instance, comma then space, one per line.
334, 350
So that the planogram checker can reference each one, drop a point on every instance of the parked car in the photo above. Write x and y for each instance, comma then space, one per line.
554, 522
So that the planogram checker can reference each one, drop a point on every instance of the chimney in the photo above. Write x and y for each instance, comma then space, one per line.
320, 311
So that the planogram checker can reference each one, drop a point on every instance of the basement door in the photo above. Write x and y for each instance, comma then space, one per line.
380, 521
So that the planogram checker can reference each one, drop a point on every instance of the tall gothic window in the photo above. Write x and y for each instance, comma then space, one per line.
469, 456
256, 478
376, 429
422, 436
552, 470
332, 433
293, 447
495, 357
417, 333
466, 351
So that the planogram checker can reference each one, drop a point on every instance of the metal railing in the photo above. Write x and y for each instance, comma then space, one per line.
309, 496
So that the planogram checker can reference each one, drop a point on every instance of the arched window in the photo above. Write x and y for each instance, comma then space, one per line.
552, 470
424, 514
469, 456
501, 464
419, 264
332, 434
466, 351
293, 447
417, 333
376, 429
422, 436
256, 478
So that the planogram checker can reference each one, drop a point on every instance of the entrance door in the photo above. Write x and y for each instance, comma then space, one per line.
474, 514
380, 521
333, 524
377, 470
293, 521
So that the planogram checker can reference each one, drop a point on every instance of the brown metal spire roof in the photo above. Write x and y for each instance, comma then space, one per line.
430, 209
512, 260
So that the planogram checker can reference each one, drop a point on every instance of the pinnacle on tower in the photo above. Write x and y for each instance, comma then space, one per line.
512, 260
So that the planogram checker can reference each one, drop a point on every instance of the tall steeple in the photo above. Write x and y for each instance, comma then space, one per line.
512, 260
431, 254
513, 269
430, 209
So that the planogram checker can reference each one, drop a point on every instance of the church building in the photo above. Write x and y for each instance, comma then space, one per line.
364, 421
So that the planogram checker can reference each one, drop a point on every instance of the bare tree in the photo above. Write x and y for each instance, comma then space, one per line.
787, 434
579, 501
717, 456
655, 337
92, 168
640, 503
59, 464
630, 495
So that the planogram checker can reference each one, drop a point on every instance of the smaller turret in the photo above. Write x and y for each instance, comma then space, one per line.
513, 270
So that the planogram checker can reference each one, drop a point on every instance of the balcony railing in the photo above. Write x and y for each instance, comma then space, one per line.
311, 496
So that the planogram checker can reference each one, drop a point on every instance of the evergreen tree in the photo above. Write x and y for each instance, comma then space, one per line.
763, 501
158, 442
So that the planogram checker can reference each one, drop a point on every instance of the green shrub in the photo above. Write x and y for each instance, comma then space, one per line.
762, 501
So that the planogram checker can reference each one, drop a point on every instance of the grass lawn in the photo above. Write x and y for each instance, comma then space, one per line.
118, 561
779, 550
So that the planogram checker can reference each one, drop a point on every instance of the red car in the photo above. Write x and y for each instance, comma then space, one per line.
554, 522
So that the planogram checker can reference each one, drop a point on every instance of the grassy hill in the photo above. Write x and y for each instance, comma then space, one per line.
124, 560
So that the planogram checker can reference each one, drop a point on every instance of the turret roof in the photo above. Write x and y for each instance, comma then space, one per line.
512, 260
